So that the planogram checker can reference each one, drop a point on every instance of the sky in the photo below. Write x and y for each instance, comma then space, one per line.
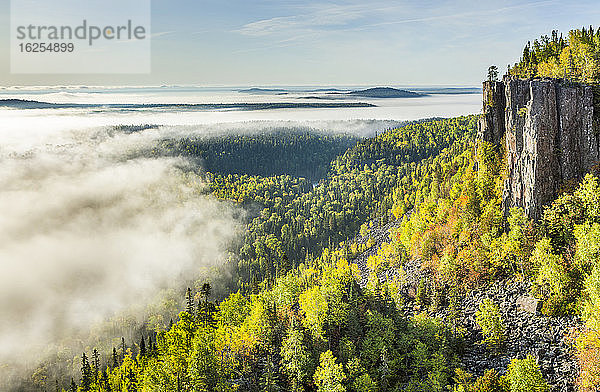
333, 43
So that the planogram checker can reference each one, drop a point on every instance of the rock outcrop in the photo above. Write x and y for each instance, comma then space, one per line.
549, 129
527, 330
491, 124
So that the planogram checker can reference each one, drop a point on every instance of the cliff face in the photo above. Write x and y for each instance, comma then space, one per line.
550, 137
491, 124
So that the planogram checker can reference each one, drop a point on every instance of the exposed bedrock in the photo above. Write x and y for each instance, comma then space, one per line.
548, 128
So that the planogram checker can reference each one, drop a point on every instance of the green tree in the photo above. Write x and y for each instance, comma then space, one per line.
189, 302
269, 380
142, 347
315, 308
115, 358
72, 386
95, 364
490, 321
329, 376
553, 282
87, 377
492, 73
206, 291
103, 382
234, 309
203, 362
130, 373
524, 376
295, 359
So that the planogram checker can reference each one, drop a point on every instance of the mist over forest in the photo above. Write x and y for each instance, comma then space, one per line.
107, 226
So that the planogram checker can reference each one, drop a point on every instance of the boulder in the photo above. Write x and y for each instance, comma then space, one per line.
528, 304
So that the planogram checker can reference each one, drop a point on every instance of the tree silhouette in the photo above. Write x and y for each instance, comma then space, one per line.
189, 302
115, 358
493, 73
206, 290
142, 347
86, 374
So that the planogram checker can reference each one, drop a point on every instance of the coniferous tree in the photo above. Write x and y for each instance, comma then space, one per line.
493, 73
269, 381
95, 364
526, 54
150, 350
189, 302
142, 347
206, 290
131, 381
123, 348
86, 374
205, 308
104, 384
115, 358
72, 386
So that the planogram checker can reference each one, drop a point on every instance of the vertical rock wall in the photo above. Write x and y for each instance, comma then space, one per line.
491, 124
548, 127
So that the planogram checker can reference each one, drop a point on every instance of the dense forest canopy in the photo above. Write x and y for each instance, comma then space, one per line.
301, 321
359, 186
304, 317
575, 57
290, 152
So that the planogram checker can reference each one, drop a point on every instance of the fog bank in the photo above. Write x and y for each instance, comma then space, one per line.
89, 227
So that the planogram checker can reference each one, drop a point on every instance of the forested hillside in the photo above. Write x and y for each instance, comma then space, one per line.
300, 320
293, 225
303, 317
574, 57
279, 152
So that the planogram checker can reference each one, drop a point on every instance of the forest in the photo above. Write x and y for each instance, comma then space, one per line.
298, 317
575, 57
300, 154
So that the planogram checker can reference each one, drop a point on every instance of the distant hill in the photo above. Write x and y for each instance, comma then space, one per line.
385, 92
375, 92
323, 90
259, 91
25, 104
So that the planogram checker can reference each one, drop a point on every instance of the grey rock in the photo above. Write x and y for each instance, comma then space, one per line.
548, 126
491, 125
528, 304
527, 333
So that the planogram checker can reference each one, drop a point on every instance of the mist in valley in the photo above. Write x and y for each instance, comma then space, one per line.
99, 237
90, 228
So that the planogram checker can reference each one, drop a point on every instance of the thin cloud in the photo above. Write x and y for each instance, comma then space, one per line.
279, 44
322, 17
337, 19
342, 19
161, 34
455, 16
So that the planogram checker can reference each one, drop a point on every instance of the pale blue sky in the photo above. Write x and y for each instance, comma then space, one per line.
278, 42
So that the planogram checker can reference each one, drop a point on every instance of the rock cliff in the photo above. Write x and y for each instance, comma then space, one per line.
550, 130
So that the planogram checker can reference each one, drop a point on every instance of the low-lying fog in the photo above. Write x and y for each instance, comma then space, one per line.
395, 109
88, 227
